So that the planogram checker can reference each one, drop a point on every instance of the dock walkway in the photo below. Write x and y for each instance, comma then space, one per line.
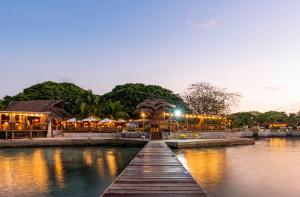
155, 171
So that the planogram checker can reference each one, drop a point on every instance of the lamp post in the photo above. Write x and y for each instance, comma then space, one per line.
177, 114
143, 120
187, 122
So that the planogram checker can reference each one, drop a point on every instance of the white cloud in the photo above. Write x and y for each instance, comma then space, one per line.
202, 25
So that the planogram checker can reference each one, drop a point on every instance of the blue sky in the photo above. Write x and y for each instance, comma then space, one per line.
250, 47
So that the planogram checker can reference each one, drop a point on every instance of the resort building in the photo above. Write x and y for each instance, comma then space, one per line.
157, 115
277, 125
36, 118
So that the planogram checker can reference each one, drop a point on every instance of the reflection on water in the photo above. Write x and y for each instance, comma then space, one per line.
58, 168
269, 168
277, 143
210, 171
74, 171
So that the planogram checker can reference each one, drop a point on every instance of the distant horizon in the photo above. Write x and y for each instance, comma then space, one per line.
251, 47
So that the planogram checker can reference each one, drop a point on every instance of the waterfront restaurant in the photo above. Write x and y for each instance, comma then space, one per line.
35, 118
159, 115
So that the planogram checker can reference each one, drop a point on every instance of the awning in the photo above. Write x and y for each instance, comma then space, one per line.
90, 119
106, 120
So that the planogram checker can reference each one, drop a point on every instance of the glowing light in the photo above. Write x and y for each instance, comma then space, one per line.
177, 113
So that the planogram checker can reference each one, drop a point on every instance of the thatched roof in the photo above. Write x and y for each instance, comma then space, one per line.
154, 106
54, 107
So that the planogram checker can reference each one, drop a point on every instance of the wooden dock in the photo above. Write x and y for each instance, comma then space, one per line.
155, 171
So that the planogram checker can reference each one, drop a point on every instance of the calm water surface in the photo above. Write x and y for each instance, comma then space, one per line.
269, 168
74, 171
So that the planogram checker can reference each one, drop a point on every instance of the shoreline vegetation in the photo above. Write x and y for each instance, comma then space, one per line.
121, 102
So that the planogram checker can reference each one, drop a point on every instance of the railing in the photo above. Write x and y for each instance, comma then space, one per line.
92, 129
192, 127
14, 134
23, 127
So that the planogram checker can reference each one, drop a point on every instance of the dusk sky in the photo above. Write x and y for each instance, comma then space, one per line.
251, 47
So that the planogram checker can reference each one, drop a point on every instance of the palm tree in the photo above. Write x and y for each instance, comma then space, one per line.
113, 110
89, 105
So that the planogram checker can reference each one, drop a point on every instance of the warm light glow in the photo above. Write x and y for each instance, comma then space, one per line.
58, 167
111, 163
15, 171
205, 166
177, 113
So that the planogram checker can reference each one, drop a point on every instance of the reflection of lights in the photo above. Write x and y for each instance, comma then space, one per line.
111, 163
205, 166
88, 157
58, 167
16, 172
276, 143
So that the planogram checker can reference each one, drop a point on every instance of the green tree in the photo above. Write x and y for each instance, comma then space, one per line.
67, 92
205, 98
293, 119
2, 105
130, 95
89, 105
271, 117
242, 119
113, 110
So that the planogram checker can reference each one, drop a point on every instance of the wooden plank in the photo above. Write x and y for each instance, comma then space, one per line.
155, 171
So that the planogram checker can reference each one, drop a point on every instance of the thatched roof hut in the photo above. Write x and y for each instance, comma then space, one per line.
55, 108
154, 107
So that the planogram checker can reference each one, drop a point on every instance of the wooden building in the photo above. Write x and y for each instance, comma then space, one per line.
158, 115
35, 118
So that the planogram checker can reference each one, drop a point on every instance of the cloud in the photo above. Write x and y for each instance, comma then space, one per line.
202, 25
273, 88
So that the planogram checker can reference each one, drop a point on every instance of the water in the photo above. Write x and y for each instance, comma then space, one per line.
269, 168
68, 171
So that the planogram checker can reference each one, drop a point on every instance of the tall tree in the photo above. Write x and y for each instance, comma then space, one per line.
67, 92
271, 117
113, 110
205, 98
130, 95
242, 119
89, 105
293, 119
2, 105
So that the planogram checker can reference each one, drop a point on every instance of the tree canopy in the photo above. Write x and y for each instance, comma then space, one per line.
2, 106
113, 110
251, 119
272, 116
119, 103
131, 94
73, 96
242, 119
205, 98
